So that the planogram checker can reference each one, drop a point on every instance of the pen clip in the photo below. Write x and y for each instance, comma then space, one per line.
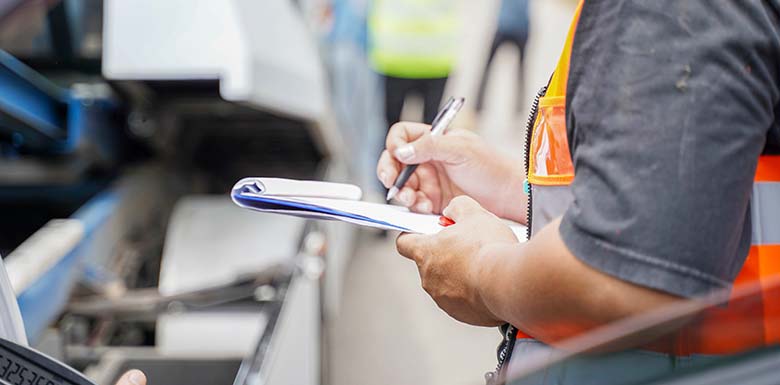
442, 110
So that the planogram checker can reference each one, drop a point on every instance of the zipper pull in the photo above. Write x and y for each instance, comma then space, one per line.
490, 378
526, 186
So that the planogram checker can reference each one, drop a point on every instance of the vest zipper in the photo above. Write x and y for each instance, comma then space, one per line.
508, 331
529, 130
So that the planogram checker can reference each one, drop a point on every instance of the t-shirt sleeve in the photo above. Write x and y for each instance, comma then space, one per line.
669, 107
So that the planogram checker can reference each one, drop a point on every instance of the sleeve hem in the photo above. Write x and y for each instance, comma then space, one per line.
637, 268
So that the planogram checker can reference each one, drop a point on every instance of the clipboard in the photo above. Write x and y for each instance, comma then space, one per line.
333, 201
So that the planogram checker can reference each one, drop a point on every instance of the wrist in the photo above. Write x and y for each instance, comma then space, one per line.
513, 198
483, 269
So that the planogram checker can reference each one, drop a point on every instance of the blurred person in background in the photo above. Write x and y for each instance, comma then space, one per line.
512, 29
356, 89
413, 45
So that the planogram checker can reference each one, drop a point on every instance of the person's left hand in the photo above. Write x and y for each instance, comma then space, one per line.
449, 261
132, 377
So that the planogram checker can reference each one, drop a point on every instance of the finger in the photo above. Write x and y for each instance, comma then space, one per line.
402, 133
410, 246
461, 207
430, 184
423, 205
414, 181
387, 169
407, 197
452, 149
132, 377
415, 152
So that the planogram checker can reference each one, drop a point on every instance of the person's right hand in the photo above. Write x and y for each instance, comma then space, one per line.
458, 163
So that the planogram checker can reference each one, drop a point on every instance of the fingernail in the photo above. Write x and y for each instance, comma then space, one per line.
136, 377
404, 152
383, 177
425, 207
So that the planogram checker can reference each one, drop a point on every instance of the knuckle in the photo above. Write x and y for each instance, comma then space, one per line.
394, 134
395, 128
423, 144
425, 283
430, 286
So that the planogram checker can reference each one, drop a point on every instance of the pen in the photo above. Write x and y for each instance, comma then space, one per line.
440, 124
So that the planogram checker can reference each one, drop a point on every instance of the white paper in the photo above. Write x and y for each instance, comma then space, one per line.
303, 188
370, 214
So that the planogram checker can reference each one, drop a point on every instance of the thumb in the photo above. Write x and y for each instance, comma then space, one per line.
461, 207
409, 245
132, 377
442, 148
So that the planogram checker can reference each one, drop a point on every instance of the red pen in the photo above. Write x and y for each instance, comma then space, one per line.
444, 221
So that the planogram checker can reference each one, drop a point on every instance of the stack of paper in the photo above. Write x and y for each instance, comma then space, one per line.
333, 201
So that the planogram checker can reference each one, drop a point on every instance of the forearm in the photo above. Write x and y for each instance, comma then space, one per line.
540, 287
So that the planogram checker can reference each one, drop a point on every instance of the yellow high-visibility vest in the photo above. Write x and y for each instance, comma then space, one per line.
414, 39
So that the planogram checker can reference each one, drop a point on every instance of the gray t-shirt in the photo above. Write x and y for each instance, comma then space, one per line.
669, 105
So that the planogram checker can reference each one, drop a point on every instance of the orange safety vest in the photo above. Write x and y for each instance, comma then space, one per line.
551, 171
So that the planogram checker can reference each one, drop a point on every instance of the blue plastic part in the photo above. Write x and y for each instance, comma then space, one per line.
526, 187
75, 122
28, 98
42, 302
39, 114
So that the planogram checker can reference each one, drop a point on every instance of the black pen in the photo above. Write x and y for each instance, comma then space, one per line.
439, 125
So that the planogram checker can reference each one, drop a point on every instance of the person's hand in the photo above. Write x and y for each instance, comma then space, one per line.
449, 261
132, 377
458, 163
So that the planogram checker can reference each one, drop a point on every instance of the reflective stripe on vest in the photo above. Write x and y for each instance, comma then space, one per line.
731, 329
413, 38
